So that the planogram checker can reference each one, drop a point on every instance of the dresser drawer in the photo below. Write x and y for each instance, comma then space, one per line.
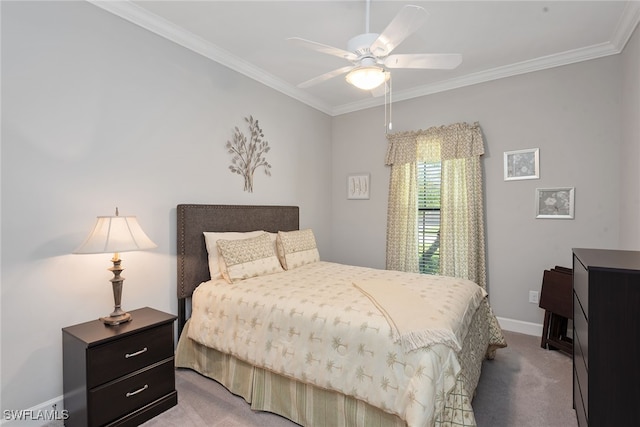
581, 285
581, 372
110, 401
578, 401
107, 362
580, 333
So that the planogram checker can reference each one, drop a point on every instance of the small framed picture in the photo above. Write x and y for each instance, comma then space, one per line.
522, 164
555, 203
358, 186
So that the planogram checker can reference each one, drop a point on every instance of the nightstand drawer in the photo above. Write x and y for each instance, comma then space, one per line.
109, 402
109, 361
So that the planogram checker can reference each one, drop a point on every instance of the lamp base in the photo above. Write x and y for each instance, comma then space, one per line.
116, 320
118, 316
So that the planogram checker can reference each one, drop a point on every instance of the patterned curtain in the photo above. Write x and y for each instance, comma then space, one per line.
402, 219
462, 242
459, 147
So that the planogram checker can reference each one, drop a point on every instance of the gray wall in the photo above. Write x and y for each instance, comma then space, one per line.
98, 113
582, 117
630, 153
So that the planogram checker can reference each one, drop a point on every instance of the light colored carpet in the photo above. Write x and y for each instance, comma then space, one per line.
525, 386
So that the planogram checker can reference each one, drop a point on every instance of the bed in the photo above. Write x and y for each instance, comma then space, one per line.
321, 343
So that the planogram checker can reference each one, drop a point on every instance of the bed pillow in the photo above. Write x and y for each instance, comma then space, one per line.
246, 258
296, 248
211, 238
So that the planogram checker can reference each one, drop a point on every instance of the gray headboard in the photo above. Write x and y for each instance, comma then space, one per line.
193, 220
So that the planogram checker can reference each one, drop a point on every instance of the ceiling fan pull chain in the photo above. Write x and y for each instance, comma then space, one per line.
385, 109
386, 100
388, 91
390, 101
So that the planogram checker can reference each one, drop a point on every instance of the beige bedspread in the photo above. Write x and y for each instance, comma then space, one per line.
344, 342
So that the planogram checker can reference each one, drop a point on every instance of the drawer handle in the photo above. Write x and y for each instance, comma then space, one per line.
133, 393
137, 353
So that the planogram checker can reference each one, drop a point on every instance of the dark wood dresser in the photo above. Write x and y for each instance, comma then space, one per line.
606, 350
119, 375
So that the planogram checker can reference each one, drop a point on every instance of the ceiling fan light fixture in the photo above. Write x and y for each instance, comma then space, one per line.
367, 78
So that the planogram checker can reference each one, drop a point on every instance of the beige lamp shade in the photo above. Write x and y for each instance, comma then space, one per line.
113, 234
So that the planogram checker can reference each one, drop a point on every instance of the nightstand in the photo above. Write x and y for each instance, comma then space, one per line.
119, 375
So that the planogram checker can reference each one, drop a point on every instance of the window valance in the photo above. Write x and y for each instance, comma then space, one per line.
455, 141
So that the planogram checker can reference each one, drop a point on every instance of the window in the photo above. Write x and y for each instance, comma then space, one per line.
429, 217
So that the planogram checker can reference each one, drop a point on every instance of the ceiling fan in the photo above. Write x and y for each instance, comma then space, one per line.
370, 53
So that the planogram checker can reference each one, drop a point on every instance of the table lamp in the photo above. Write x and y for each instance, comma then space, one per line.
115, 234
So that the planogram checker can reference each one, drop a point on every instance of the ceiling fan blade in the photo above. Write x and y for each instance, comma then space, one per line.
325, 76
436, 61
323, 48
405, 23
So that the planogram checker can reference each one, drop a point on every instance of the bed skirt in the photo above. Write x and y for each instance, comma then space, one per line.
309, 405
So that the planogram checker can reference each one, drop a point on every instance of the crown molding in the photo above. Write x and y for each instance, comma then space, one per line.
135, 14
627, 24
141, 17
524, 67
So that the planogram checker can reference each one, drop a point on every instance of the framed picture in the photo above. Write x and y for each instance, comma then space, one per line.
522, 164
556, 203
358, 186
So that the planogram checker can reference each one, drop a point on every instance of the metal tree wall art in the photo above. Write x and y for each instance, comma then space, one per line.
248, 155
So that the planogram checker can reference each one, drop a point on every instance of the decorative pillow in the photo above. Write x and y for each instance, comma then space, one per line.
242, 259
296, 248
211, 238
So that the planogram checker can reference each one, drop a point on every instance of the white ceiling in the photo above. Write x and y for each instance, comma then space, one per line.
496, 39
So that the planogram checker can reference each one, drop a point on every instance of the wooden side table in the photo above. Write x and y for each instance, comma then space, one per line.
119, 375
556, 298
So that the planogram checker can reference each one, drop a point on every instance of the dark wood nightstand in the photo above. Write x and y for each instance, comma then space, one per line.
119, 375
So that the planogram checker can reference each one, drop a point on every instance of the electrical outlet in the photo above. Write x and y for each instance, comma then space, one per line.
533, 297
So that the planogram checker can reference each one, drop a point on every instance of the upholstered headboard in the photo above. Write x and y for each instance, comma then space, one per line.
193, 220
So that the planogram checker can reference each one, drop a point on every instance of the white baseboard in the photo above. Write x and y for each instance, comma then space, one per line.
527, 328
50, 413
